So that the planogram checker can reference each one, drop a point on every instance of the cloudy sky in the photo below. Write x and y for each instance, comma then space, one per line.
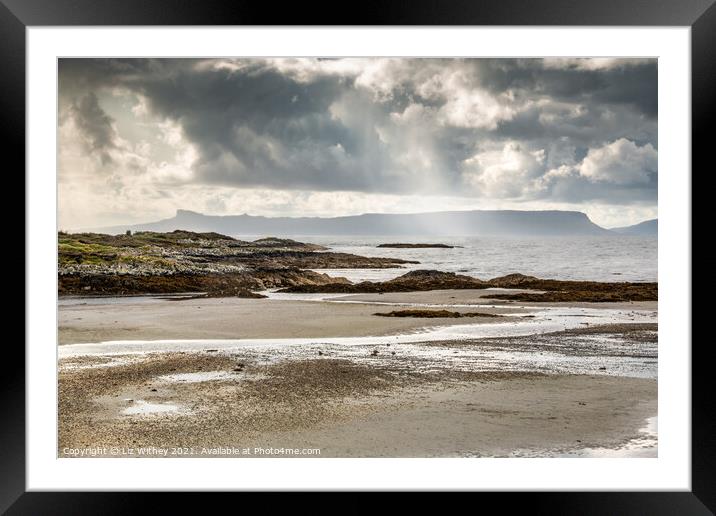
141, 138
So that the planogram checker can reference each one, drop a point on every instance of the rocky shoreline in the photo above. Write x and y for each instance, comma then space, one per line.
557, 291
219, 266
213, 284
409, 282
547, 290
184, 261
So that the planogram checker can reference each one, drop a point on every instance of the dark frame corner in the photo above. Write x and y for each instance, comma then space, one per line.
700, 15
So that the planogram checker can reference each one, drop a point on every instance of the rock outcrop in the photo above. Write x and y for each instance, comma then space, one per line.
412, 281
183, 261
214, 284
546, 290
511, 281
572, 291
416, 246
433, 314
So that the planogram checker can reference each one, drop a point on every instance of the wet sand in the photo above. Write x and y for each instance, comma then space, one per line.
236, 318
343, 408
478, 297
546, 394
539, 415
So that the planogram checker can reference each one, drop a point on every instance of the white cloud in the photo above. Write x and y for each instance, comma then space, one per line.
507, 172
464, 103
123, 181
475, 108
621, 162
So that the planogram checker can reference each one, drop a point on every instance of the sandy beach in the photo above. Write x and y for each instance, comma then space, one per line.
349, 410
103, 319
480, 297
585, 390
232, 318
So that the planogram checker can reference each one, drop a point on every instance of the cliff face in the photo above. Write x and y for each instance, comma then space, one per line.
452, 223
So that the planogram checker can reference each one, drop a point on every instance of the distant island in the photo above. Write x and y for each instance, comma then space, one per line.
646, 228
453, 223
417, 246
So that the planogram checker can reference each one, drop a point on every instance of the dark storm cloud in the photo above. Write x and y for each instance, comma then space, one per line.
436, 126
633, 85
254, 127
95, 125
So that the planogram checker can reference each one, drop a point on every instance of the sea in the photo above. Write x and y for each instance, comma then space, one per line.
602, 258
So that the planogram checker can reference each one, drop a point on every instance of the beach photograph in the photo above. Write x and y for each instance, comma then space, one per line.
357, 257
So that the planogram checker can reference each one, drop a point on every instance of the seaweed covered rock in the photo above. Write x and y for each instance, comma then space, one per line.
418, 280
149, 262
416, 246
558, 291
433, 314
511, 280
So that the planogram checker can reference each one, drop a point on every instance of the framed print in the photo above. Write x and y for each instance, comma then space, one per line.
447, 248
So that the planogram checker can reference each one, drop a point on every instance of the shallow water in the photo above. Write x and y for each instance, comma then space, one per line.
345, 298
198, 377
547, 319
580, 354
643, 446
144, 408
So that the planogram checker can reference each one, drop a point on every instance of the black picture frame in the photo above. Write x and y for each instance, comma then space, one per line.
700, 15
